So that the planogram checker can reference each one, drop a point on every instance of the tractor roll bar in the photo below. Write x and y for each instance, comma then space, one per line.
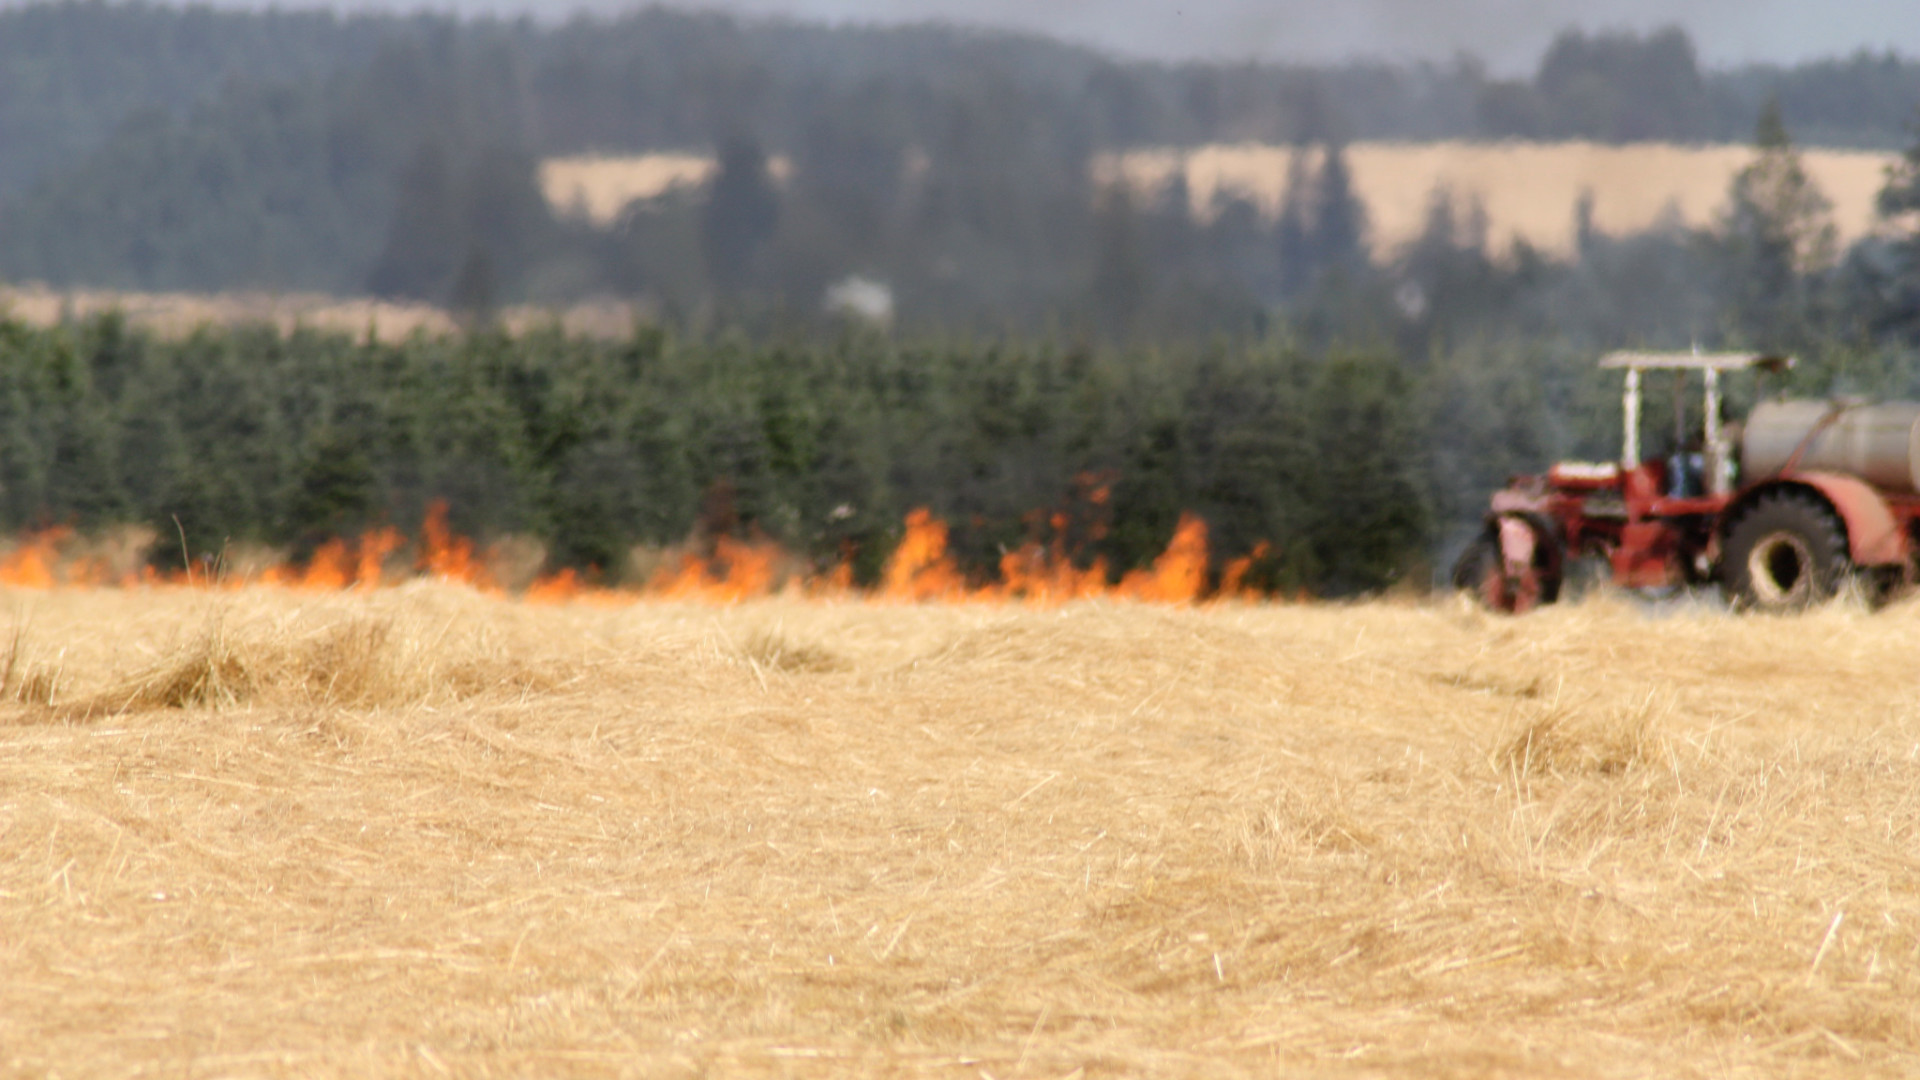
1710, 365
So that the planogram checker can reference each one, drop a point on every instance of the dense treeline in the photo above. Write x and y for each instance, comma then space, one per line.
248, 436
156, 148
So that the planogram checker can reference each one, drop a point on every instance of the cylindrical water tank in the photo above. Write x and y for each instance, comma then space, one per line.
1877, 443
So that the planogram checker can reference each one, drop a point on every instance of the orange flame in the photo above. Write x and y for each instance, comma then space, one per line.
335, 565
1046, 575
328, 570
1233, 576
555, 588
738, 570
920, 569
375, 547
447, 555
30, 565
1179, 575
839, 580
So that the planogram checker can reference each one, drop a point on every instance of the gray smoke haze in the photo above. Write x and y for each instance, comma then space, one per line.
1508, 34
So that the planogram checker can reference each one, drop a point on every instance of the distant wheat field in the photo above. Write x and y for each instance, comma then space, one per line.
178, 314
426, 832
1529, 191
598, 188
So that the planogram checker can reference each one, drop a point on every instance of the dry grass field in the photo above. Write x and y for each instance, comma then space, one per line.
176, 315
425, 832
598, 188
1528, 191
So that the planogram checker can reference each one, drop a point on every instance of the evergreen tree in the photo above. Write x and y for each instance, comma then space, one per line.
1293, 245
1621, 87
1120, 270
1337, 222
336, 492
848, 173
464, 229
1897, 277
424, 236
475, 289
1776, 232
1368, 519
740, 215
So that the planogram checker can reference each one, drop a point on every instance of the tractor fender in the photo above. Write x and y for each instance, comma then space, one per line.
1874, 537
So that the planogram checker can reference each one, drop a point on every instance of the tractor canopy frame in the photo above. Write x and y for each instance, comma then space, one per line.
1719, 453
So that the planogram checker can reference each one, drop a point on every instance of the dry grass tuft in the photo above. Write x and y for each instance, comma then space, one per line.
358, 663
1558, 740
333, 659
22, 680
210, 672
769, 648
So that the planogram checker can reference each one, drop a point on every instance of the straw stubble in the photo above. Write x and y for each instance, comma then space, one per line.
423, 832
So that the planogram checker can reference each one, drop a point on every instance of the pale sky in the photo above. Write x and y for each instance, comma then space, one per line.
1508, 34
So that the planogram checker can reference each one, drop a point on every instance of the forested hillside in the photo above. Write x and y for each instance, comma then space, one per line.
73, 74
162, 148
231, 439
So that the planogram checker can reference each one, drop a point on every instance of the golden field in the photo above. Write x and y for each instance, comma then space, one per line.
598, 188
179, 314
1528, 190
425, 832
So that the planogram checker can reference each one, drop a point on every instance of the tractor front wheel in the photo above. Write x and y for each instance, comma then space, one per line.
1785, 554
1502, 582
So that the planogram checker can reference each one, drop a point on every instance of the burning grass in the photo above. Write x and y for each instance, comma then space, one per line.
426, 831
722, 569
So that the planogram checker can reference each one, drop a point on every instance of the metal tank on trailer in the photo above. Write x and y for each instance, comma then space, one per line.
1879, 443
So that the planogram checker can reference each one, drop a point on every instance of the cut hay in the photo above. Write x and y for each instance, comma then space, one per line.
422, 832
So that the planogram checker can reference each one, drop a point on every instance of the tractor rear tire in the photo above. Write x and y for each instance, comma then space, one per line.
1785, 554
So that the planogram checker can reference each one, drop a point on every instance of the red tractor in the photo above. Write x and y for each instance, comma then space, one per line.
1780, 514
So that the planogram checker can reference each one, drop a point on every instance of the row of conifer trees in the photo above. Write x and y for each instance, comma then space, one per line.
253, 437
